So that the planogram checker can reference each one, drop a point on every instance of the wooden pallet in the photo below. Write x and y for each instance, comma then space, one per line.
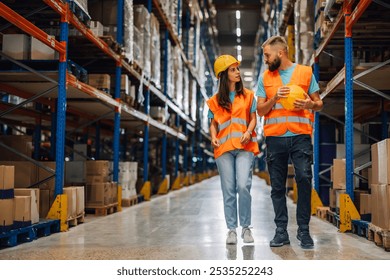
321, 212
103, 210
27, 234
381, 237
127, 202
333, 218
360, 228
110, 41
72, 222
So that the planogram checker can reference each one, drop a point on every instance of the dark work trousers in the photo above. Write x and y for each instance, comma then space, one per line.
300, 149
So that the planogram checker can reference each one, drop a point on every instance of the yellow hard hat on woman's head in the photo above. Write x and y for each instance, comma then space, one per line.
223, 62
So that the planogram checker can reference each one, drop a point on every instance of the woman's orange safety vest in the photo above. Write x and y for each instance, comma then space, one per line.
279, 120
232, 125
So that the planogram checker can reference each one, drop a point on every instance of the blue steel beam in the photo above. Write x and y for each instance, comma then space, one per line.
177, 152
118, 73
316, 147
348, 50
165, 77
61, 114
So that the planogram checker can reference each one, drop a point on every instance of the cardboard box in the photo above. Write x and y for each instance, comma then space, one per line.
44, 203
365, 203
6, 214
380, 205
97, 194
22, 211
80, 200
332, 198
72, 202
26, 173
97, 28
97, 167
380, 155
7, 177
40, 51
100, 81
33, 194
16, 46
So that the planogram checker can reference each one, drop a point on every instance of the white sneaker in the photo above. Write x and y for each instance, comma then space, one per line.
231, 237
247, 235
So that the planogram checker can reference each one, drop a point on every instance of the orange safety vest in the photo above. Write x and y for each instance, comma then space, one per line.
232, 125
279, 120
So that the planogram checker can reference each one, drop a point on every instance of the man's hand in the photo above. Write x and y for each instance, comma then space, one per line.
306, 103
281, 93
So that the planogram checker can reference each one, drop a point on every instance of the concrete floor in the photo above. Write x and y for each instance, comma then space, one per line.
188, 224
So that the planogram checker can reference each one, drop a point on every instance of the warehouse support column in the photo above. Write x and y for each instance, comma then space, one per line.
185, 159
315, 198
59, 208
347, 208
163, 187
177, 182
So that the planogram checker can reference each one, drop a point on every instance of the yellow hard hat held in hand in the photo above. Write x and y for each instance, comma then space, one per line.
223, 62
296, 92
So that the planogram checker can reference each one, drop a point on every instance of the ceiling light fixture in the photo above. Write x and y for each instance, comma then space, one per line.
238, 14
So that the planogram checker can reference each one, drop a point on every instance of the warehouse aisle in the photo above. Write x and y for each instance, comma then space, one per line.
189, 224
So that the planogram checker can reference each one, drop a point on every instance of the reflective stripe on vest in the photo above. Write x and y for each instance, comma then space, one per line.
235, 135
289, 119
233, 120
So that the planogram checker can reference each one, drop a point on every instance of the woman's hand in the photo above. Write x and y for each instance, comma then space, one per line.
245, 138
215, 142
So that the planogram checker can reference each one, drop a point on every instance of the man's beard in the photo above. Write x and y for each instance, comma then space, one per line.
274, 65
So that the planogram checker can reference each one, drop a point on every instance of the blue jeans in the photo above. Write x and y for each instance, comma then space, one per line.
235, 169
300, 150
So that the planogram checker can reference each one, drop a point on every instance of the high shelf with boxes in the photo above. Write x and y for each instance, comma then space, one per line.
351, 40
101, 57
34, 86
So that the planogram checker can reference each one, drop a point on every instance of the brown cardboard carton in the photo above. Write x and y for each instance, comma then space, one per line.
44, 203
338, 173
97, 167
22, 209
72, 201
96, 195
365, 203
380, 156
34, 204
6, 213
80, 200
25, 173
7, 177
332, 198
374, 204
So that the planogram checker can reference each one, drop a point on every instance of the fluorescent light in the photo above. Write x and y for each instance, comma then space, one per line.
239, 57
238, 32
248, 79
238, 14
239, 48
248, 73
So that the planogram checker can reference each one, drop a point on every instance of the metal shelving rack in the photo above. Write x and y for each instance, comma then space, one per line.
110, 110
351, 14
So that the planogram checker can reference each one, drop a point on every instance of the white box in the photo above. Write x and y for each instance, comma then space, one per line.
16, 46
40, 51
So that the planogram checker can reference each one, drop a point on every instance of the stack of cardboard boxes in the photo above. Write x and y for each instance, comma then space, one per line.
380, 186
100, 191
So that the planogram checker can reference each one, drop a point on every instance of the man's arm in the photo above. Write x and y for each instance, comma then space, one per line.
312, 101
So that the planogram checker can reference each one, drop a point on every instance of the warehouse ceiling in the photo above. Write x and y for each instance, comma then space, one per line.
227, 24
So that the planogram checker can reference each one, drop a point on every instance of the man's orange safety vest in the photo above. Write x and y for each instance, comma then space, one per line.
232, 125
279, 120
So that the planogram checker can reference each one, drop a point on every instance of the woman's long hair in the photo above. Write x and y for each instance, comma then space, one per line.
223, 90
